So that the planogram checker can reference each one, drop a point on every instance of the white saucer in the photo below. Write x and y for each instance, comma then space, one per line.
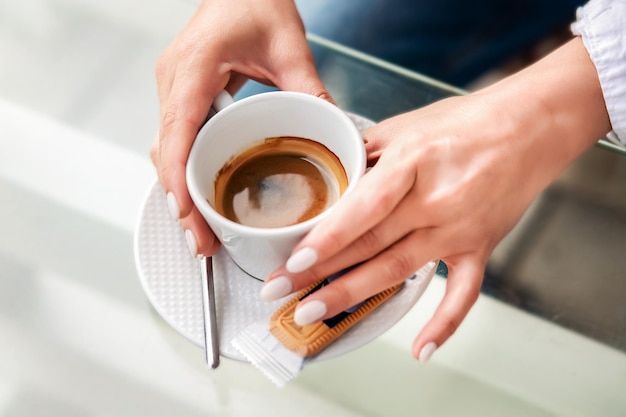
170, 277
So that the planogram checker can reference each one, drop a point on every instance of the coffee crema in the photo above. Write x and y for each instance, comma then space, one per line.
279, 182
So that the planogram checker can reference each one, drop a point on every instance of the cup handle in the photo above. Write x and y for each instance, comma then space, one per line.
222, 100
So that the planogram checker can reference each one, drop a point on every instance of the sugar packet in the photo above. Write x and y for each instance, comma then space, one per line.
280, 348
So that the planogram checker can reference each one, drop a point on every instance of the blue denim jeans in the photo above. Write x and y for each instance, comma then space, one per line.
453, 41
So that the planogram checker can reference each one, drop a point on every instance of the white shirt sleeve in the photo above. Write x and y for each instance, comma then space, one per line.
602, 26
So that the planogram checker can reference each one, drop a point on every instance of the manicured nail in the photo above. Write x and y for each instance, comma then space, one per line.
172, 205
309, 312
191, 243
276, 288
427, 351
301, 260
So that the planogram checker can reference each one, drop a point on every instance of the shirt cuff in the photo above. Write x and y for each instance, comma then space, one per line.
601, 24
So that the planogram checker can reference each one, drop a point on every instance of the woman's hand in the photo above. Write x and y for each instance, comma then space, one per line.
224, 43
445, 185
449, 182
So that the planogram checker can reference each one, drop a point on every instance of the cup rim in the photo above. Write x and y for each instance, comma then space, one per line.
203, 205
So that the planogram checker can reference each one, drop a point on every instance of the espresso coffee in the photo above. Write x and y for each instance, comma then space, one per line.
279, 182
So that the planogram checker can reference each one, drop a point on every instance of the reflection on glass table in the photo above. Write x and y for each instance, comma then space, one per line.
78, 337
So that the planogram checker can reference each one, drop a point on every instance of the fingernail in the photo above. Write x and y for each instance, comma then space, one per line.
427, 351
301, 260
276, 288
325, 95
309, 312
191, 243
172, 205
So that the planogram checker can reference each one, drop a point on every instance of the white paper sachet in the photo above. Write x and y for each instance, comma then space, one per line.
280, 347
266, 353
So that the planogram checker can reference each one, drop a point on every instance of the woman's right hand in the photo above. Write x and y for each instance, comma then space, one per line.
224, 43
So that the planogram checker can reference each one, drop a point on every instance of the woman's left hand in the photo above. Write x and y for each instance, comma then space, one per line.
446, 192
449, 182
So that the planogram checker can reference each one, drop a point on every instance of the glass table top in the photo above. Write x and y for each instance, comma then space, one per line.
78, 336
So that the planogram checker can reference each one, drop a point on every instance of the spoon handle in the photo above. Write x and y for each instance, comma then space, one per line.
211, 341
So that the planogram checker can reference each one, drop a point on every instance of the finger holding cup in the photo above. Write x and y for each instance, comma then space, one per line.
267, 168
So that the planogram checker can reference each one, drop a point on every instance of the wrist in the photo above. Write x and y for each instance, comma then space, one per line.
554, 109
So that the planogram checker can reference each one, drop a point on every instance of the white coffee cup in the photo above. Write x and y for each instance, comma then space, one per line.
237, 126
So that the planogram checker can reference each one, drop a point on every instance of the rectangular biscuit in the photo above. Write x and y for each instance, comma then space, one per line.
310, 339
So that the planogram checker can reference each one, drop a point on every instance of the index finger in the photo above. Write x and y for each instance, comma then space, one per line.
375, 196
182, 115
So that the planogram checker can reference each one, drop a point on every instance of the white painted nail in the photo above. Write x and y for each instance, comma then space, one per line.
191, 242
427, 351
310, 312
301, 260
276, 288
172, 205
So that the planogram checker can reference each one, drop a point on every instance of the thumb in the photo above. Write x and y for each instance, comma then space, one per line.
376, 139
304, 79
